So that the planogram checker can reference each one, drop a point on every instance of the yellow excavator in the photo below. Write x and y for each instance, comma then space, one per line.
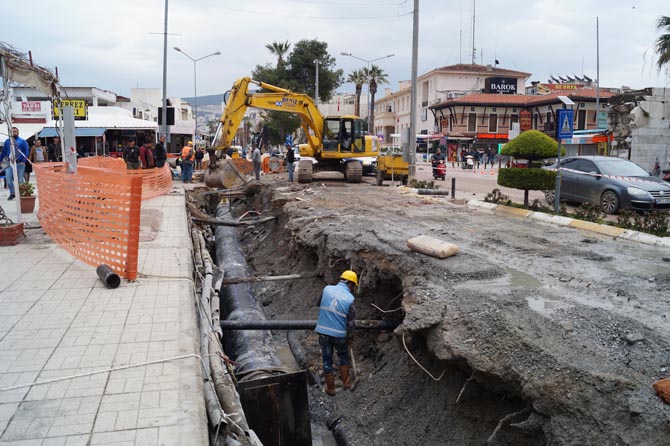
333, 142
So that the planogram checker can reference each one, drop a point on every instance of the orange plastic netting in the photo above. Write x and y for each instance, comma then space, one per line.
155, 182
94, 215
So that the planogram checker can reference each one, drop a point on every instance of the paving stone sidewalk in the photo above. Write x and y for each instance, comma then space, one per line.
58, 320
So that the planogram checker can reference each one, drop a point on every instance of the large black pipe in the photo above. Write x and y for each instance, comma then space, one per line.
301, 325
251, 350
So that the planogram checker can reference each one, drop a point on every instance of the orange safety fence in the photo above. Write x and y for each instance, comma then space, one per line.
94, 215
155, 182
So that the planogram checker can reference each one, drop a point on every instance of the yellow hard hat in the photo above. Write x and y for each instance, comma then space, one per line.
190, 143
350, 276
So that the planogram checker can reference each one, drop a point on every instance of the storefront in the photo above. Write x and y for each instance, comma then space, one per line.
588, 143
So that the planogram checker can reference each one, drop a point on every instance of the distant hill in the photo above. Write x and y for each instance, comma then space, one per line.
212, 99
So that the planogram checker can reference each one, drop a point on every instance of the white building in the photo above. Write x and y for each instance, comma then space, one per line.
342, 104
392, 111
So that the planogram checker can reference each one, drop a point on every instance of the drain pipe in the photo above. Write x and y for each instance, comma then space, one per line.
253, 351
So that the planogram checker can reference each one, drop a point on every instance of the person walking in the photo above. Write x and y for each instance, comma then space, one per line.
256, 161
147, 155
38, 154
54, 150
187, 159
131, 155
290, 159
22, 152
199, 155
335, 327
160, 152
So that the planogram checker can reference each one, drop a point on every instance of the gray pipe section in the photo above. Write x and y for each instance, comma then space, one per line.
244, 324
251, 350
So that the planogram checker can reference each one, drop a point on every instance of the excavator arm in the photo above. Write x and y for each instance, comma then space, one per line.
277, 99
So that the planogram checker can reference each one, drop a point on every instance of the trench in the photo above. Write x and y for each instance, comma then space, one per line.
394, 402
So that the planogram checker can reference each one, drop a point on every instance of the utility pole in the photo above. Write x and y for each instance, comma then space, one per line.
413, 93
164, 126
316, 92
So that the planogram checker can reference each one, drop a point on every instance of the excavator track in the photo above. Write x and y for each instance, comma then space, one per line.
305, 171
353, 172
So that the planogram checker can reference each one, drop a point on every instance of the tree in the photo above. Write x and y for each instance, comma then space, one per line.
375, 76
301, 69
531, 145
298, 74
279, 49
662, 46
358, 78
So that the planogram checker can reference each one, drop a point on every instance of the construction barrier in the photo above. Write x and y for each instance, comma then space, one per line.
155, 182
94, 214
271, 164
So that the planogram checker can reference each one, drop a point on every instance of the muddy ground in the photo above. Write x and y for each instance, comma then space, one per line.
534, 334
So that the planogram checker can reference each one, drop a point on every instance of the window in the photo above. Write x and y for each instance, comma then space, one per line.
424, 113
513, 118
581, 120
472, 122
493, 123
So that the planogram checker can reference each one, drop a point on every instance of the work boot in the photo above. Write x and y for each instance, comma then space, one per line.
344, 374
330, 383
11, 197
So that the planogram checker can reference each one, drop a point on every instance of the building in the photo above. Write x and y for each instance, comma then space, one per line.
639, 121
481, 120
392, 111
342, 104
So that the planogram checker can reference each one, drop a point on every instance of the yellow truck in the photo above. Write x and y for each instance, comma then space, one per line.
333, 142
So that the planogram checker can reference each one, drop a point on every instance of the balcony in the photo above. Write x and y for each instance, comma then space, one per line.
385, 119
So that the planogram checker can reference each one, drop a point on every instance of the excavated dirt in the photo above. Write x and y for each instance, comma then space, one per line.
539, 335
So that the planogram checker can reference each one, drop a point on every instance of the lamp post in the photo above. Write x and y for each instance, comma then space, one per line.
195, 88
370, 124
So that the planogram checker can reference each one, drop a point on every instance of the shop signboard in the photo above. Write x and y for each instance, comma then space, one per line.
504, 85
525, 120
602, 120
79, 105
31, 106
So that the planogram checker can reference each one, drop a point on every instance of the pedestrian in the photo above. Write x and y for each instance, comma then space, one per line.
160, 152
147, 155
256, 161
199, 155
335, 327
54, 150
187, 159
657, 169
290, 159
38, 154
22, 152
131, 155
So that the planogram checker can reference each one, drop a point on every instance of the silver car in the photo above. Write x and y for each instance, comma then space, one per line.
611, 183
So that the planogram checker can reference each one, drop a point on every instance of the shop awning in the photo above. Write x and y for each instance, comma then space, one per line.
79, 132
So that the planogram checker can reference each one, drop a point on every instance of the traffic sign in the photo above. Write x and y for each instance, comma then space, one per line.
564, 123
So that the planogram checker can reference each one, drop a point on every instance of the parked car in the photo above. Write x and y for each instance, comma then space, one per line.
369, 164
611, 183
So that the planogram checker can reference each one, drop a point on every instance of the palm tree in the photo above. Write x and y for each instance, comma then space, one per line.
663, 43
279, 49
375, 76
358, 78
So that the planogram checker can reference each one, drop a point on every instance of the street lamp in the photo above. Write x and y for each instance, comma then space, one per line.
195, 88
370, 124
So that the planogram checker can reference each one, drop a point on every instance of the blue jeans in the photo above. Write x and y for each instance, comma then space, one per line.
21, 168
290, 170
328, 344
186, 171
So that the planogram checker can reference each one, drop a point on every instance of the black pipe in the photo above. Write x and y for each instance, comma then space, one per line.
453, 187
432, 192
108, 277
340, 433
251, 350
247, 324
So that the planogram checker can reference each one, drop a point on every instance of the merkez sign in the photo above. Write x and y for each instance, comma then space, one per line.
504, 85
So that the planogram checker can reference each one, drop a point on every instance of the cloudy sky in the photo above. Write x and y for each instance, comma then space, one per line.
116, 45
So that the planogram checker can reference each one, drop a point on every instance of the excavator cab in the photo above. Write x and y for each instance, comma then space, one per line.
343, 134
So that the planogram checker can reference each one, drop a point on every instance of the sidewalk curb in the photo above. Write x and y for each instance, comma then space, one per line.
607, 230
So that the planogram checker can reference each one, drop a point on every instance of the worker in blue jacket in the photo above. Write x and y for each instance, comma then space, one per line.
335, 327
22, 152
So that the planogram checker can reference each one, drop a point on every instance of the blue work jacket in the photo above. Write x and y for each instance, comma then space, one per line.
335, 303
